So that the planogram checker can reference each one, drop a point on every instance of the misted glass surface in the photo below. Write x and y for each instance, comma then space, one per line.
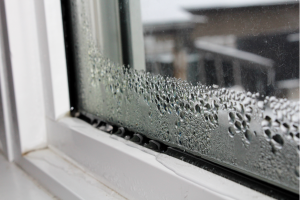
220, 79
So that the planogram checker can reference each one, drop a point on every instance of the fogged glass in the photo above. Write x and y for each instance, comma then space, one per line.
220, 80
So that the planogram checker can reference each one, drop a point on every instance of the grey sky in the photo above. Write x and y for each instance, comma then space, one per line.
161, 11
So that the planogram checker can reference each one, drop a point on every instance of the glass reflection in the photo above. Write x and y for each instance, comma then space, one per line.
250, 45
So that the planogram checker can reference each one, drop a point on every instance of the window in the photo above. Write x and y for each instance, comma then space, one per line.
210, 84
158, 97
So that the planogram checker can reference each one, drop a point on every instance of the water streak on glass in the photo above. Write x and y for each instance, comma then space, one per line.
214, 85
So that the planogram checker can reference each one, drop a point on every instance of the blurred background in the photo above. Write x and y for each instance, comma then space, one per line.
250, 45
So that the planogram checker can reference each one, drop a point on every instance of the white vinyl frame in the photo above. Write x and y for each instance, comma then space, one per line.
40, 134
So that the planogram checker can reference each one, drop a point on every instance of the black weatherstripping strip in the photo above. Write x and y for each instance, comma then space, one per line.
70, 54
125, 33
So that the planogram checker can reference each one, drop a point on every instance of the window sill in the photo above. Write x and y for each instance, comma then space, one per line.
63, 179
133, 171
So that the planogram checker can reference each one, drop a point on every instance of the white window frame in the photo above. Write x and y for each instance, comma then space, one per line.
35, 100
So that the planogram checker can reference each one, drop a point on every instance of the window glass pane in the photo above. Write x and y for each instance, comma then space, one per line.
221, 79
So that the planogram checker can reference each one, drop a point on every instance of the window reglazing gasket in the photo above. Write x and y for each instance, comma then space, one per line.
158, 146
125, 32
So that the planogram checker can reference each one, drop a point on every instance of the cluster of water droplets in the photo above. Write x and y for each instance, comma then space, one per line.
250, 133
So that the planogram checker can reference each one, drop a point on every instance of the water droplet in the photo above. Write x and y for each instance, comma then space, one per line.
295, 118
248, 135
297, 171
216, 117
215, 86
239, 116
244, 124
231, 117
249, 110
268, 133
197, 108
278, 139
276, 123
207, 106
285, 128
237, 124
182, 114
240, 108
260, 105
231, 131
187, 106
248, 117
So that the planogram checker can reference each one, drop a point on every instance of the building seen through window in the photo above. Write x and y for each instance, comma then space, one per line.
246, 45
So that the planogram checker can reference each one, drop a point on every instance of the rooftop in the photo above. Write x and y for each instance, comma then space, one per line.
177, 11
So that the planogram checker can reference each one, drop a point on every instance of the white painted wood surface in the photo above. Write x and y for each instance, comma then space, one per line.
16, 185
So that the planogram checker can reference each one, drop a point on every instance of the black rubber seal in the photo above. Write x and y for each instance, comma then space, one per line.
70, 54
125, 33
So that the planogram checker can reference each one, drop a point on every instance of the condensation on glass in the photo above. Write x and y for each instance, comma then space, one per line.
221, 80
